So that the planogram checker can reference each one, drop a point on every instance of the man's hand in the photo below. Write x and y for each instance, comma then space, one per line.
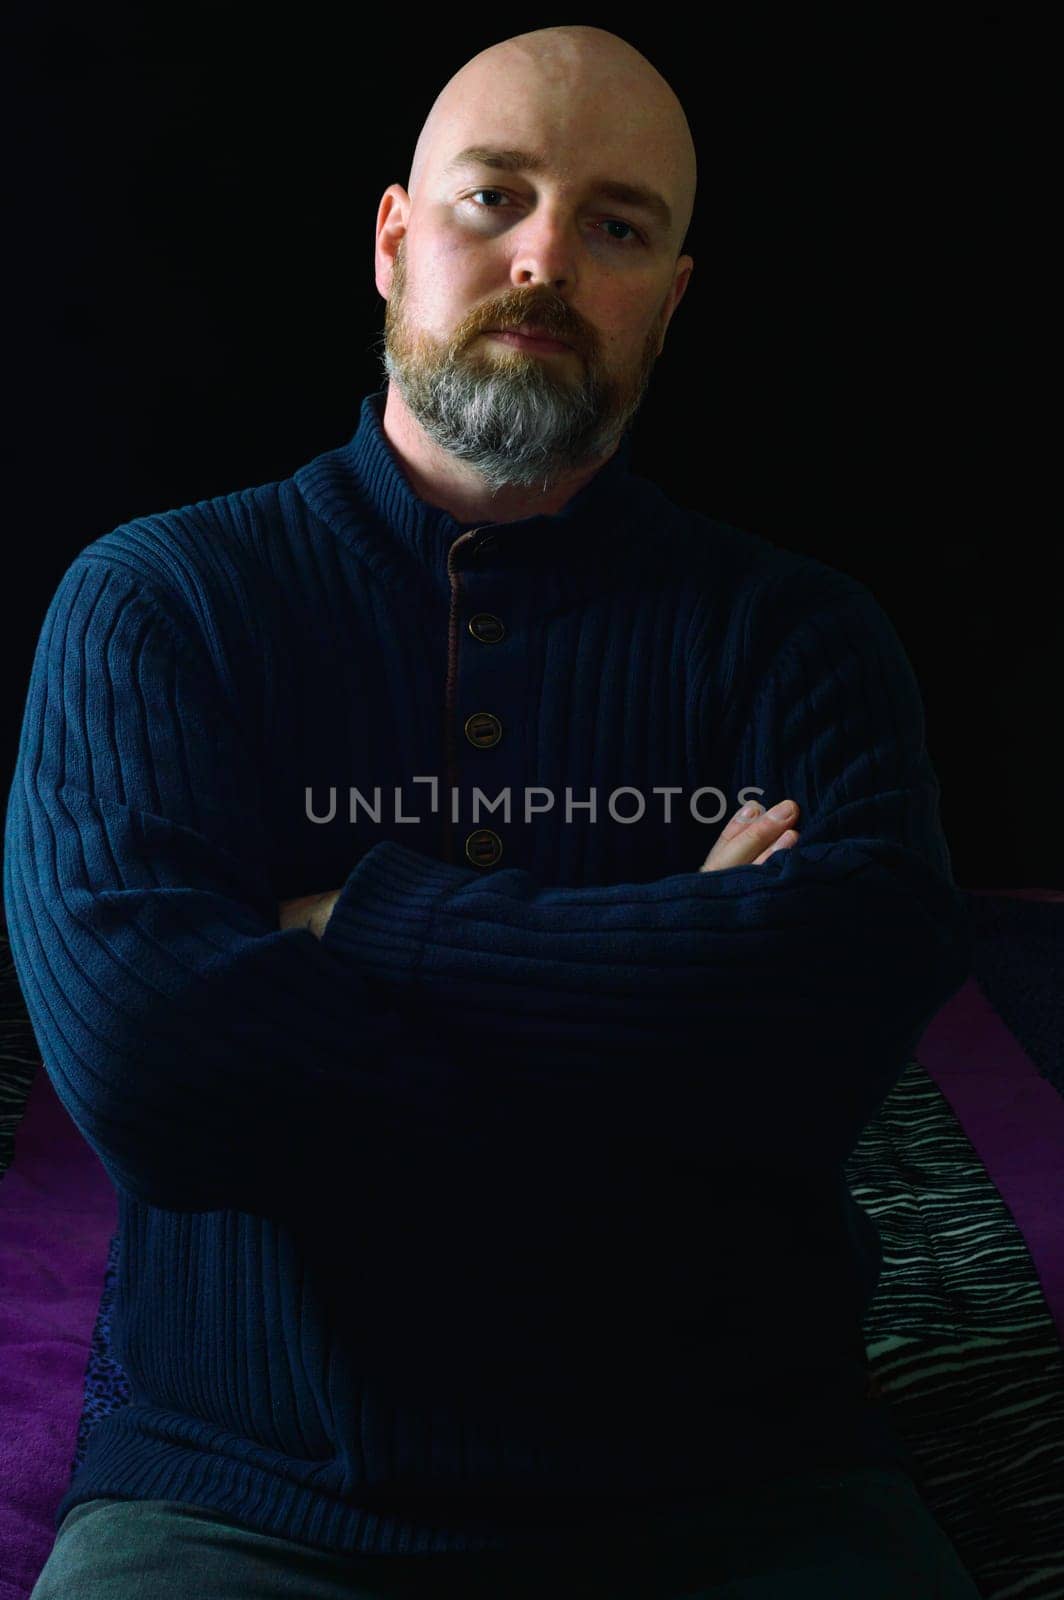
310, 911
743, 842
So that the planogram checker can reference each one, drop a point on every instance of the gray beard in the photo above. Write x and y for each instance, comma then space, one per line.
513, 428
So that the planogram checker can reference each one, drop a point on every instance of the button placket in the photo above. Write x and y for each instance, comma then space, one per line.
483, 847
483, 729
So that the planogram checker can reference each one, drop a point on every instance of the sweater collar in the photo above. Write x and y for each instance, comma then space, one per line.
361, 491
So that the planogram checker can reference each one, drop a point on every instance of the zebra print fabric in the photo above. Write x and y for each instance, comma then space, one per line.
962, 1345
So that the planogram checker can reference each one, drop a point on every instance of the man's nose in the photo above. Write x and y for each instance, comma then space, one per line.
545, 253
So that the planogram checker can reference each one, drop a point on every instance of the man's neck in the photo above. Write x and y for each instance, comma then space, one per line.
440, 480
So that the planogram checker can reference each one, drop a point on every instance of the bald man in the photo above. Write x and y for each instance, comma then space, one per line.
484, 1228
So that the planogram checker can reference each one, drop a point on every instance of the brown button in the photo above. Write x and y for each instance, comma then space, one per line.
487, 628
483, 730
483, 847
487, 546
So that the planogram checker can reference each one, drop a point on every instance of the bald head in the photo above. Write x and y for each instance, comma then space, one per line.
595, 92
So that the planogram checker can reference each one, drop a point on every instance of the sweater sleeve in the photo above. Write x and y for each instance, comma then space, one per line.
793, 991
209, 1059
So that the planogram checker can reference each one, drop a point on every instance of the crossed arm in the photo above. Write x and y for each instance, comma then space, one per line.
746, 841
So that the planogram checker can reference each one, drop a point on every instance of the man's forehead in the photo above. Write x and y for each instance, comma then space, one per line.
556, 119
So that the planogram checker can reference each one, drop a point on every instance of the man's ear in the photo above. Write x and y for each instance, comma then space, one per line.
392, 214
684, 268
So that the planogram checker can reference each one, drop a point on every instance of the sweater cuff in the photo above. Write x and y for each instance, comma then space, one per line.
385, 909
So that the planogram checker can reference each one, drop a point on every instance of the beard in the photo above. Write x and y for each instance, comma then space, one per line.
517, 418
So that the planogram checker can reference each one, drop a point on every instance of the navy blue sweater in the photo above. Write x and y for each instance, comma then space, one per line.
516, 1200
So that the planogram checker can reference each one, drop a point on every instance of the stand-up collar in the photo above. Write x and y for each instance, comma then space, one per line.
362, 492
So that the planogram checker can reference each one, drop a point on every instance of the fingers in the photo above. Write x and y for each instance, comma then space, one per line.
739, 822
784, 842
296, 913
748, 841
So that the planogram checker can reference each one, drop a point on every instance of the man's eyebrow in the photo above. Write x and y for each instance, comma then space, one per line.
628, 194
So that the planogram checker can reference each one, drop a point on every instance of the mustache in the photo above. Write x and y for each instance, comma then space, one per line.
552, 316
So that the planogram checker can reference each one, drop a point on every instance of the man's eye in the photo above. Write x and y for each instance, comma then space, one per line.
615, 222
611, 222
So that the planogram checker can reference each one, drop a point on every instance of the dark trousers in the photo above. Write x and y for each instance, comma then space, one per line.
831, 1534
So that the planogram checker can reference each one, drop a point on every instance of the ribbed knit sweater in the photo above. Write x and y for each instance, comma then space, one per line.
516, 1200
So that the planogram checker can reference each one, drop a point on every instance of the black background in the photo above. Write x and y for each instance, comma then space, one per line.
193, 310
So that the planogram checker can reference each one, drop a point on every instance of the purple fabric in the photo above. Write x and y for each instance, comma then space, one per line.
1015, 1120
58, 1213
